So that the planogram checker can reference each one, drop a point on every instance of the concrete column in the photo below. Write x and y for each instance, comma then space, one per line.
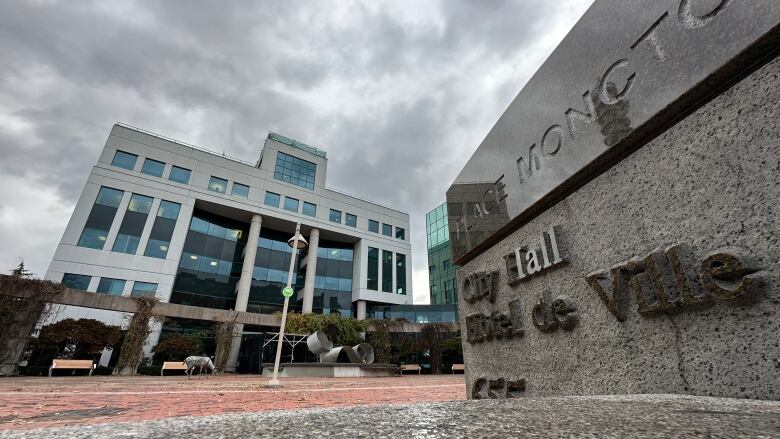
242, 289
361, 310
311, 271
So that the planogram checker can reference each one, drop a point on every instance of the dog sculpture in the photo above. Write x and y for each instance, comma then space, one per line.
194, 361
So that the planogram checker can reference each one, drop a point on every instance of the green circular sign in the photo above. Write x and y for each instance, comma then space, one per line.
287, 292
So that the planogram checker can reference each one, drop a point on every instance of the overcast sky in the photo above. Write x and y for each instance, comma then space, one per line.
399, 93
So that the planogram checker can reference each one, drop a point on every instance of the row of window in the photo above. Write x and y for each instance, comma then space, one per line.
292, 204
288, 168
95, 233
178, 174
387, 229
152, 167
373, 281
107, 285
293, 170
220, 185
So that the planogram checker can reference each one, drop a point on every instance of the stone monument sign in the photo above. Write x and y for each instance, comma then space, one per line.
619, 227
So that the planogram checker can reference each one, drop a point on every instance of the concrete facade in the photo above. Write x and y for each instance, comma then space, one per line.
70, 258
711, 182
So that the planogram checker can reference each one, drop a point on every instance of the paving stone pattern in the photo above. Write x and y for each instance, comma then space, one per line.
27, 403
634, 416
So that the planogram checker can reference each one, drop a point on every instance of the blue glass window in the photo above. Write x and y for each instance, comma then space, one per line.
350, 220
169, 209
217, 184
76, 281
140, 203
335, 216
153, 168
400, 233
133, 224
240, 190
294, 170
162, 230
180, 175
100, 218
124, 160
144, 289
373, 226
400, 273
272, 199
373, 269
109, 197
290, 204
309, 209
112, 287
387, 229
387, 271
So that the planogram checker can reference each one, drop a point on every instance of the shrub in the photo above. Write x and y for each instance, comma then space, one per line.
177, 347
342, 331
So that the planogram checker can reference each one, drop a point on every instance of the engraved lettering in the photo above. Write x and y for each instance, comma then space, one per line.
653, 40
481, 327
665, 280
689, 20
514, 388
533, 262
524, 262
502, 325
512, 270
545, 258
527, 166
554, 132
557, 257
550, 315
573, 115
615, 298
516, 317
541, 314
498, 388
611, 97
729, 276
565, 313
498, 384
476, 389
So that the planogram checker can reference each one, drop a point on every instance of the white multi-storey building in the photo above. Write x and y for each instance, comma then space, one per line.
189, 226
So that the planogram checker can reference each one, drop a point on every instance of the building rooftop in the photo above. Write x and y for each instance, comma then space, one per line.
296, 144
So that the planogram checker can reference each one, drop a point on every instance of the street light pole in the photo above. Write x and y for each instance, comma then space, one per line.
297, 242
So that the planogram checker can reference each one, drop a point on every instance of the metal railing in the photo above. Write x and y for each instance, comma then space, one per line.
189, 145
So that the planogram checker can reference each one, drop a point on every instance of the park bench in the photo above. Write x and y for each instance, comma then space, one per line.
411, 367
458, 367
60, 363
172, 365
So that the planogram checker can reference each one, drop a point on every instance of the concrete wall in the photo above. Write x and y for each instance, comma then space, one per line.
711, 181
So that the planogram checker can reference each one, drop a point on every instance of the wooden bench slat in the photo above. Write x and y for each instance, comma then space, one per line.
62, 363
72, 364
178, 365
172, 365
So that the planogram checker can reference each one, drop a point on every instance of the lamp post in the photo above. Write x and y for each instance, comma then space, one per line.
297, 242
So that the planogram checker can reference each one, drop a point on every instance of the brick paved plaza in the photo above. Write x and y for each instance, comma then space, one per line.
27, 402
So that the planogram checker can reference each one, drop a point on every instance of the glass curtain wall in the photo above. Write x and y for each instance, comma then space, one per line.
333, 279
210, 264
387, 271
133, 224
100, 218
269, 277
442, 277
